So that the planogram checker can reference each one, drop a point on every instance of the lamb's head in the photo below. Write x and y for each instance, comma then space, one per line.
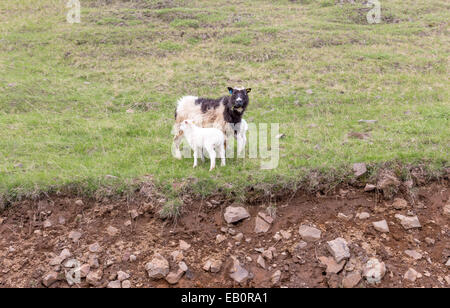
186, 124
239, 99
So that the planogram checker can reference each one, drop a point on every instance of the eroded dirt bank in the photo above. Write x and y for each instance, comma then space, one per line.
115, 242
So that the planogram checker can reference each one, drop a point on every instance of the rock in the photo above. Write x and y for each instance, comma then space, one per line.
275, 278
95, 248
127, 223
285, 234
261, 262
446, 210
332, 266
177, 256
184, 245
74, 236
207, 265
158, 267
79, 203
238, 273
448, 263
112, 231
267, 218
134, 214
261, 226
93, 261
121, 276
374, 271
47, 224
235, 213
369, 187
344, 217
50, 278
359, 169
268, 254
94, 278
220, 238
309, 234
238, 237
411, 275
351, 280
133, 258
408, 222
300, 245
414, 254
429, 241
126, 284
114, 284
400, 204
84, 270
363, 215
339, 249
381, 226
174, 277
388, 184
216, 265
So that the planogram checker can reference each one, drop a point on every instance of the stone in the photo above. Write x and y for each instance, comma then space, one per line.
277, 236
134, 214
448, 263
235, 213
408, 222
112, 231
285, 234
84, 270
174, 277
94, 277
94, 248
332, 266
47, 224
261, 262
220, 238
414, 254
429, 241
238, 273
267, 218
74, 236
114, 284
238, 237
93, 261
261, 226
177, 256
79, 203
121, 276
399, 204
50, 278
351, 280
126, 284
446, 210
216, 266
369, 187
184, 246
381, 226
309, 234
158, 267
207, 265
359, 169
276, 277
374, 271
267, 254
388, 184
363, 215
411, 275
339, 249
344, 217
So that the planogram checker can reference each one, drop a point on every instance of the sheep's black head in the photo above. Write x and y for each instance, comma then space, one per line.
239, 99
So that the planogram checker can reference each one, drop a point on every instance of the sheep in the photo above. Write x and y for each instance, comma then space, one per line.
222, 113
204, 138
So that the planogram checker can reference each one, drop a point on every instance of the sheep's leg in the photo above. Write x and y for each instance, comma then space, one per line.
212, 157
202, 156
177, 140
195, 157
239, 144
222, 154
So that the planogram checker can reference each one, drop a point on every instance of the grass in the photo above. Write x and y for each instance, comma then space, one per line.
65, 89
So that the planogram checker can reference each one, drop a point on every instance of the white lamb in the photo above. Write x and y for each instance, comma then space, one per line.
200, 138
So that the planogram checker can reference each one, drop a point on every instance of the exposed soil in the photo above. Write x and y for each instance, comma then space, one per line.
28, 242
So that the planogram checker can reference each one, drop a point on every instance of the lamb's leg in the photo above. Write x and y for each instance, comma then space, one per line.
239, 144
202, 156
177, 141
195, 157
212, 157
222, 154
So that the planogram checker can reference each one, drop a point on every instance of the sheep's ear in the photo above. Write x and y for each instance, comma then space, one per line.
248, 90
230, 90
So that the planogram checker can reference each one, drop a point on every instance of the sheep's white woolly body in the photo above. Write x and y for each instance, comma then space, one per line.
210, 139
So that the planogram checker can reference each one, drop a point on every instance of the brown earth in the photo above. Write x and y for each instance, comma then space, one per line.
28, 242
